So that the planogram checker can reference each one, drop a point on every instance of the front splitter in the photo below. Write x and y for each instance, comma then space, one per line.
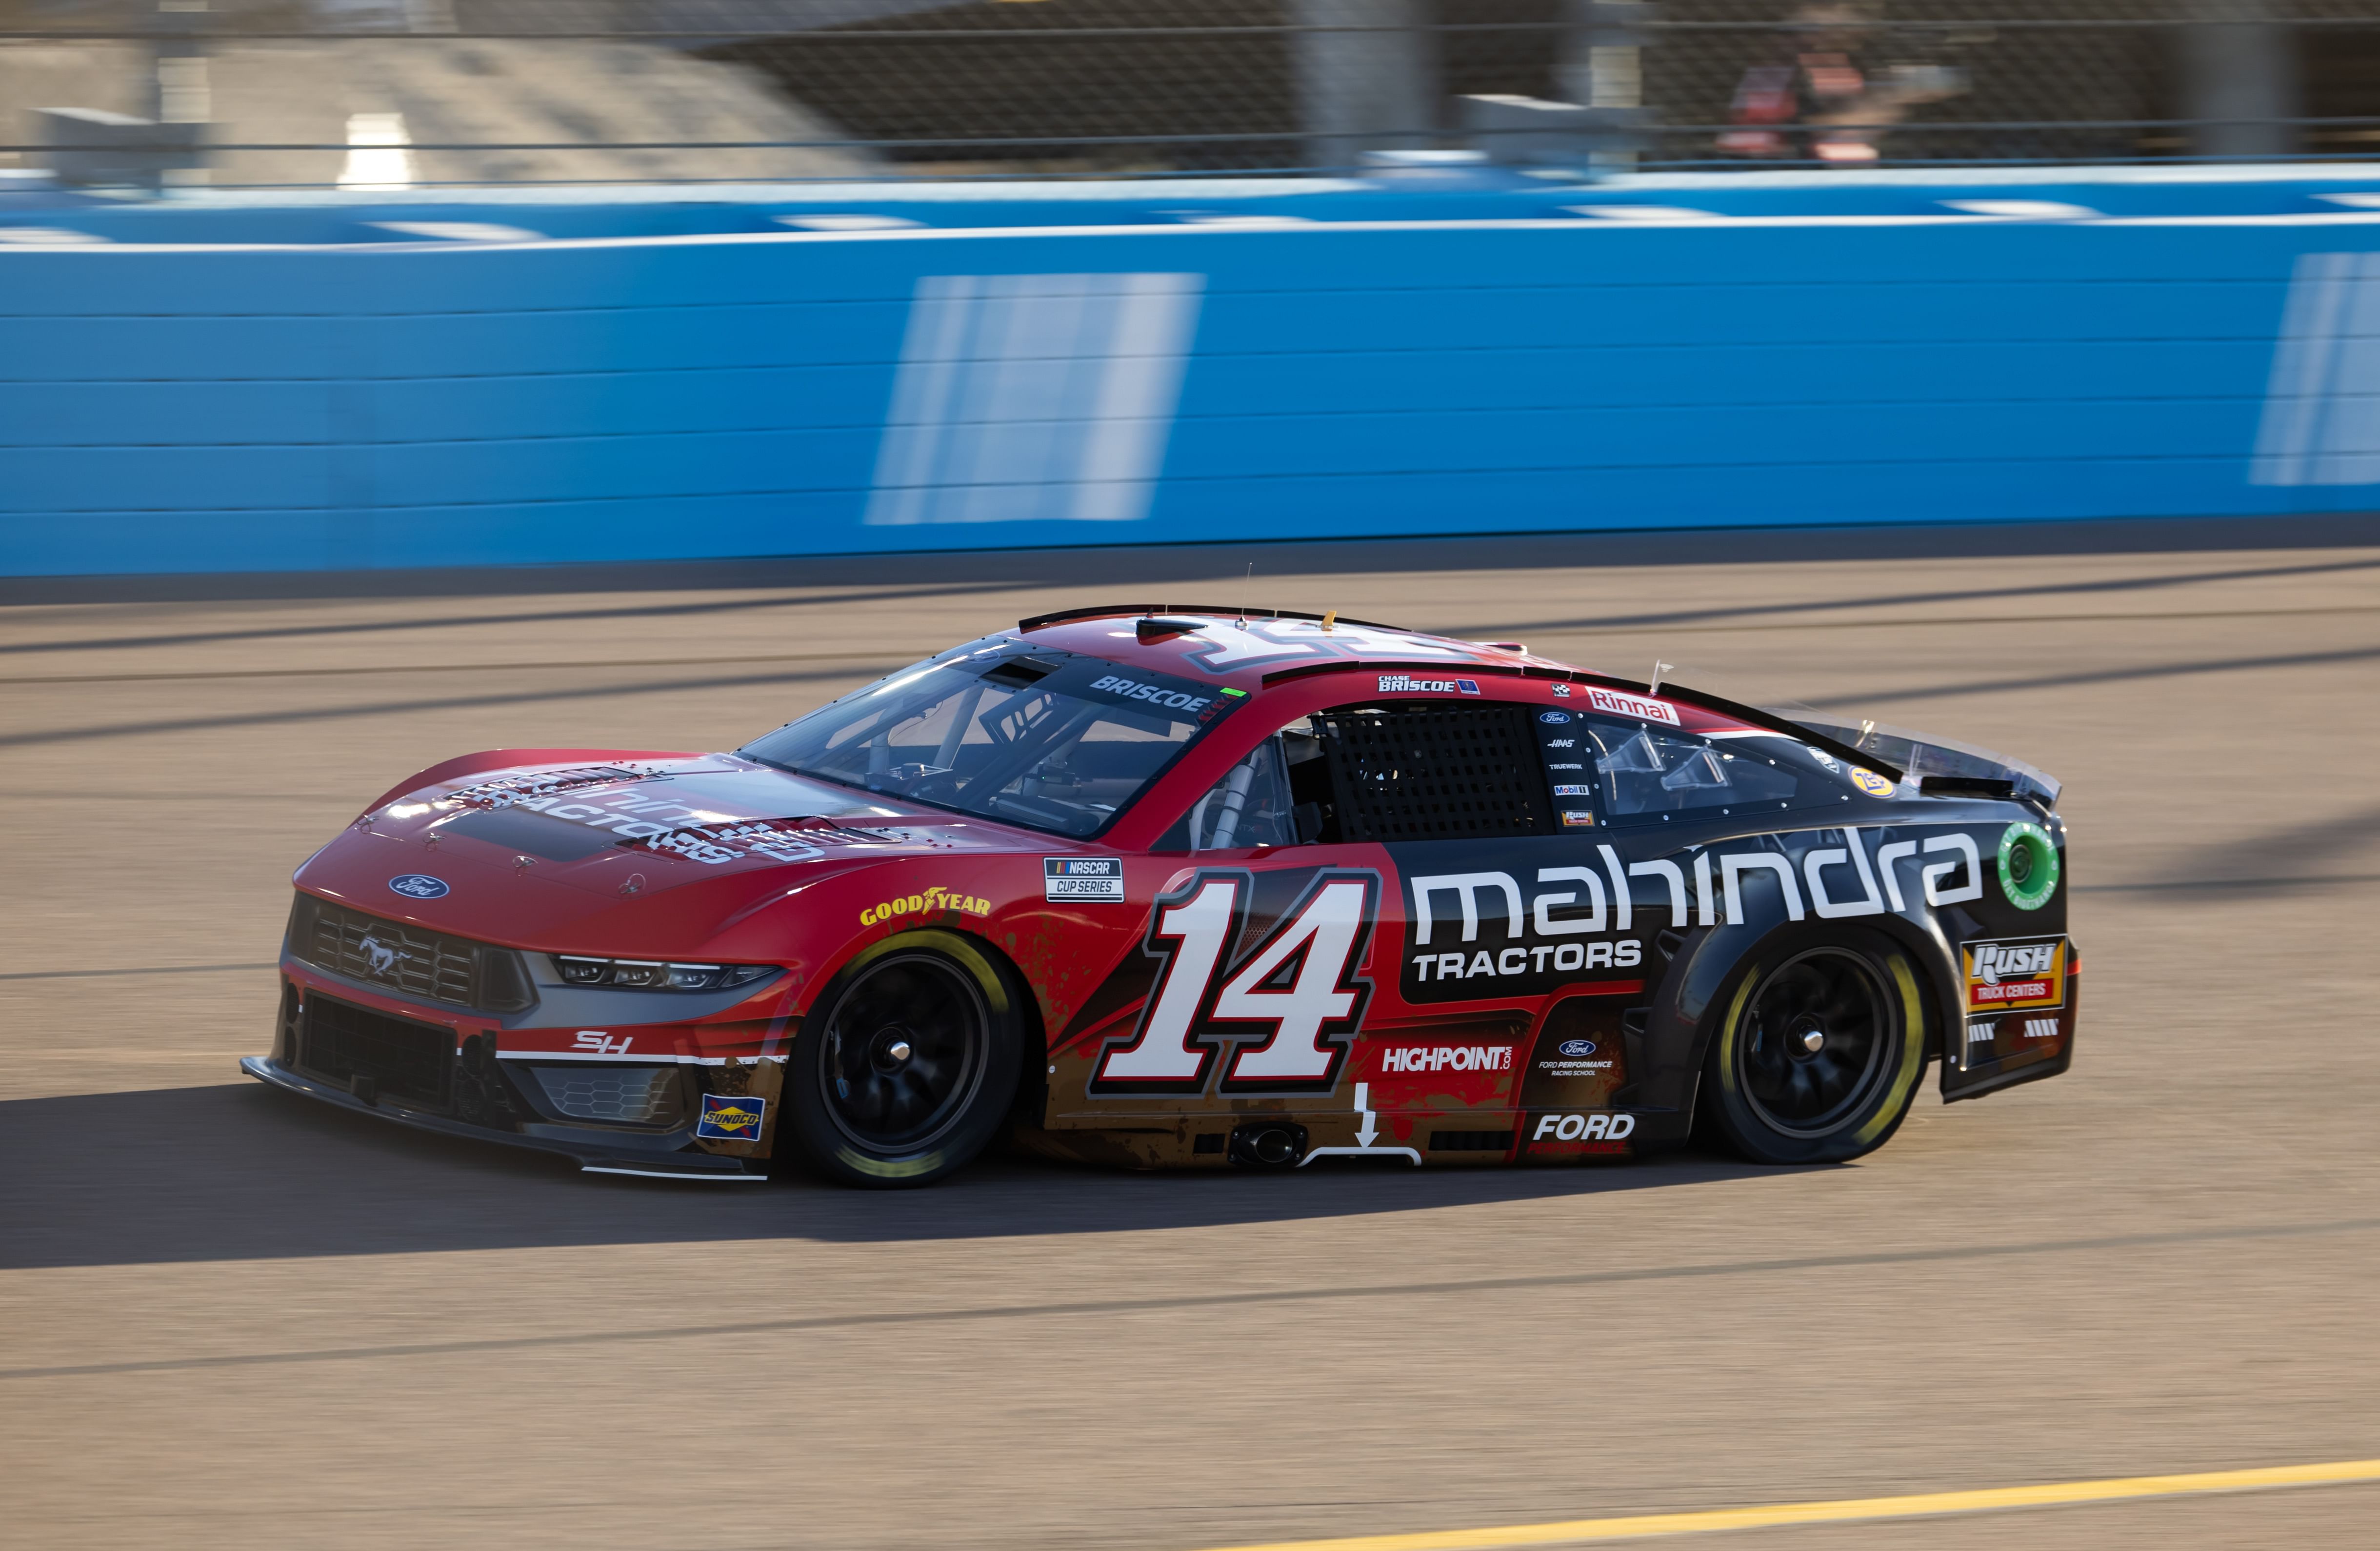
590, 1159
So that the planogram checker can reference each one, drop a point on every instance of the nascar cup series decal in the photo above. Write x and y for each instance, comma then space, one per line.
1071, 878
731, 1118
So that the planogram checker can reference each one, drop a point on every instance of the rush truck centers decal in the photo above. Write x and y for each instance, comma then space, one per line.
2015, 977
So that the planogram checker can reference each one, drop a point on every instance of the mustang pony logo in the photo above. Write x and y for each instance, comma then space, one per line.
379, 958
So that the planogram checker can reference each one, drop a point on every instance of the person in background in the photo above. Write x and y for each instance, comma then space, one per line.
1818, 92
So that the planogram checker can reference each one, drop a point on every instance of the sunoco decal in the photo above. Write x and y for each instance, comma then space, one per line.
731, 1118
2023, 975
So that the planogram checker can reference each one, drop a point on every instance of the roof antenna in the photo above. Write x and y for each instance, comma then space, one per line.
1659, 669
1246, 588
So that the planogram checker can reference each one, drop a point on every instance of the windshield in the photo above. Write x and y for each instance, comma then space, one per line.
1042, 738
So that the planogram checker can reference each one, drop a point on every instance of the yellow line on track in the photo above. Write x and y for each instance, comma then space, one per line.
2062, 1493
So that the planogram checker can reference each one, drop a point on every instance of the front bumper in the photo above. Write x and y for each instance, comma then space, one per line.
594, 1153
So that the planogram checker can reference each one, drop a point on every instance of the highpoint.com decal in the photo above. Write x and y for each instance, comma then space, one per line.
1416, 1058
931, 901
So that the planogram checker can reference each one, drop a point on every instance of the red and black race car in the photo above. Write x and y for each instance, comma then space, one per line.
1191, 887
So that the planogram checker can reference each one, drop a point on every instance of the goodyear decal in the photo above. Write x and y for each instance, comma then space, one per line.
931, 902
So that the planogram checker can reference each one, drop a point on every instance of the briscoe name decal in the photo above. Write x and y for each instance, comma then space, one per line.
1288, 1008
1392, 684
1172, 699
2025, 975
1415, 1059
1081, 878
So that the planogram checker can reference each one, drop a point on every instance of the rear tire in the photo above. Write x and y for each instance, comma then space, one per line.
1820, 1044
907, 1067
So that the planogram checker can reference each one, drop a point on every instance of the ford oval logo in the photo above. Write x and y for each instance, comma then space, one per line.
1578, 1046
1557, 718
419, 886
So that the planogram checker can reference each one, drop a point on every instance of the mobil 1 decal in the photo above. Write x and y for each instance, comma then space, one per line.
1521, 919
1259, 975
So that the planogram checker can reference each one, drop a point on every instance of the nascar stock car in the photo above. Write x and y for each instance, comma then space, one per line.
1191, 887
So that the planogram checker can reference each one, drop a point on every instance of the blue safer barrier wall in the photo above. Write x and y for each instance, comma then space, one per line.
200, 389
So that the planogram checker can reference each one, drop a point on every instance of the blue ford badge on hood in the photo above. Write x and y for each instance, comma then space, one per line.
1557, 718
1578, 1046
419, 886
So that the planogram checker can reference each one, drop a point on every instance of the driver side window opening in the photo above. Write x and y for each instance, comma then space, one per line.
1644, 771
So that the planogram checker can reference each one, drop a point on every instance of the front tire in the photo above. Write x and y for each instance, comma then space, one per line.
1820, 1045
907, 1068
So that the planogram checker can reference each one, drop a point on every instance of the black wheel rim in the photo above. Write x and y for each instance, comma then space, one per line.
904, 1054
1815, 1042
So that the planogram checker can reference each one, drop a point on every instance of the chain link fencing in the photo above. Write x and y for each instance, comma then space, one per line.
411, 93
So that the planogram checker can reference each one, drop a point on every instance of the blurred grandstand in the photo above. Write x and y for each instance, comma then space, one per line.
395, 93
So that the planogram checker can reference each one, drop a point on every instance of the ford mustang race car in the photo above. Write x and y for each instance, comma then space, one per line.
1191, 887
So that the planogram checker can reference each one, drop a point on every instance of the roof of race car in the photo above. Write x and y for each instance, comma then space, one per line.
1262, 645
1251, 647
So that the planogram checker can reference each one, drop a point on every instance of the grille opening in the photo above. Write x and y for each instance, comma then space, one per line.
408, 961
1435, 773
1211, 1143
397, 1057
615, 1095
1470, 1141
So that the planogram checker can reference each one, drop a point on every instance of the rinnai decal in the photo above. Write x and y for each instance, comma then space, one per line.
1643, 708
933, 902
1416, 1058
1393, 684
2027, 975
1287, 1008
1066, 879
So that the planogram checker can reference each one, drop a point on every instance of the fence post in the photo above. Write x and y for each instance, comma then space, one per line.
1366, 76
2240, 77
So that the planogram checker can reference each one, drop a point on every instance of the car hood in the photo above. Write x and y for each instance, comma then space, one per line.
645, 853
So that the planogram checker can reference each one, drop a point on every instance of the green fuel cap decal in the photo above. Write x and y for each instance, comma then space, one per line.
2028, 866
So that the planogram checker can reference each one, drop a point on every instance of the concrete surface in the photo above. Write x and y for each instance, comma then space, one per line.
235, 1320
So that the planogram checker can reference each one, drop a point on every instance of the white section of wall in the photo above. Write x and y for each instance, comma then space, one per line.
2322, 405
1034, 397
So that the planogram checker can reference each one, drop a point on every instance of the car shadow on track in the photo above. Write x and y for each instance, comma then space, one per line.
244, 1172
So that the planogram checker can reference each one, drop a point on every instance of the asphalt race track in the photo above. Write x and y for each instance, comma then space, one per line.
232, 1319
